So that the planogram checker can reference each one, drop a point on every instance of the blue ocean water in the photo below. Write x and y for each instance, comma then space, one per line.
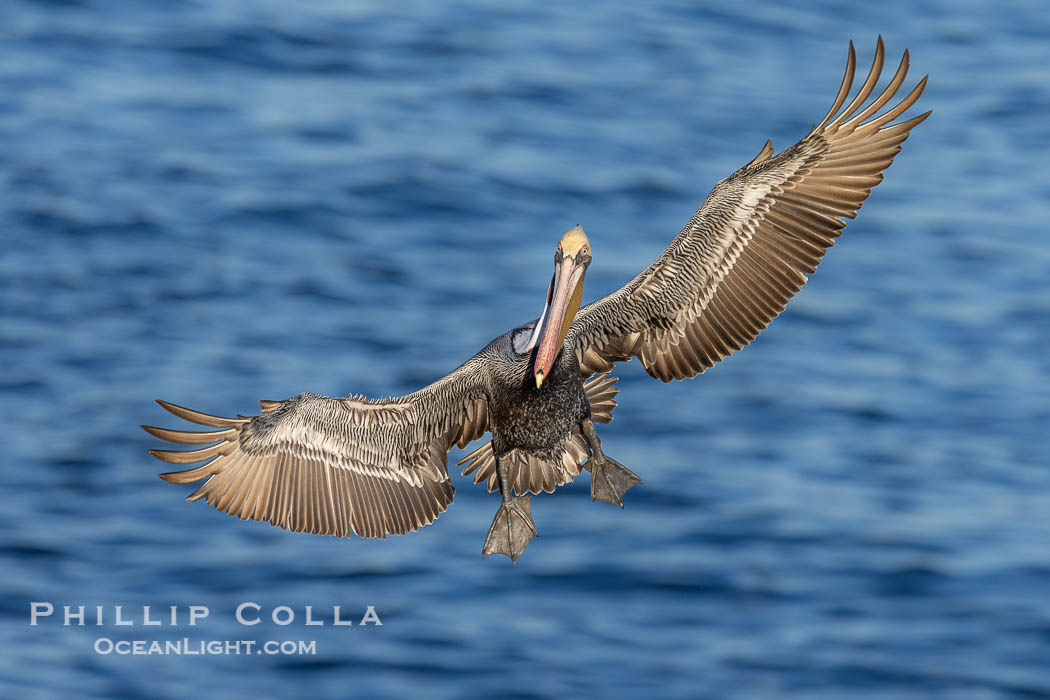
217, 202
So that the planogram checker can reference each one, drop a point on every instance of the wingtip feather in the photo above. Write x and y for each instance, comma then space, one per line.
200, 417
847, 82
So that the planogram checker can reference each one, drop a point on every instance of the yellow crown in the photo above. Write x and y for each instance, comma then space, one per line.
573, 240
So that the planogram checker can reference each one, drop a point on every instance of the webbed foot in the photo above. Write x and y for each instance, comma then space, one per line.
512, 529
610, 480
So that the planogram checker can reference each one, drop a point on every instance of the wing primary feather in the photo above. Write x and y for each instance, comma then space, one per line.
234, 492
891, 89
777, 234
188, 476
191, 456
275, 504
847, 81
188, 437
902, 106
866, 88
198, 417
260, 480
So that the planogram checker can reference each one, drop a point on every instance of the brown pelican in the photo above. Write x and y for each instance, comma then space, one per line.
379, 466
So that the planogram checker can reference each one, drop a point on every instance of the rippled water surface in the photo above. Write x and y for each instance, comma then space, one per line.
216, 202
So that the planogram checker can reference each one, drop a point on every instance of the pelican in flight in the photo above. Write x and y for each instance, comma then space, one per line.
378, 467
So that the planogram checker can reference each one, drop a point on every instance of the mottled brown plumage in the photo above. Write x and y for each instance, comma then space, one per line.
378, 467
749, 246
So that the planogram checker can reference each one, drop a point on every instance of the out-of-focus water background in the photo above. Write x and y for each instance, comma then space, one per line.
217, 202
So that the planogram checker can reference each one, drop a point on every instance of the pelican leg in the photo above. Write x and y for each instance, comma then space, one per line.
512, 529
610, 480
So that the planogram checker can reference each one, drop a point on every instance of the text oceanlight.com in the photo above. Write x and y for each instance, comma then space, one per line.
247, 614
197, 647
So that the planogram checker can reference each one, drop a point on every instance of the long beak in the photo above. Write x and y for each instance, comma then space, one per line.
564, 302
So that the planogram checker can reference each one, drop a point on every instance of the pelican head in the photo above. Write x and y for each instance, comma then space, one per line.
563, 300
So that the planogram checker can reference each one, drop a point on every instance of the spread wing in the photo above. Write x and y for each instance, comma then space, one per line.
749, 246
330, 465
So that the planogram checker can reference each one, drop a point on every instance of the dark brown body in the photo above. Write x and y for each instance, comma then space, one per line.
536, 432
526, 418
